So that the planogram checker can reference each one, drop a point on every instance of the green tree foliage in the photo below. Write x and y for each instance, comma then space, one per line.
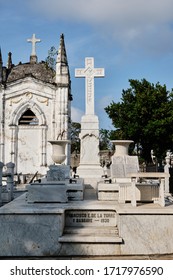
51, 58
75, 141
144, 115
104, 138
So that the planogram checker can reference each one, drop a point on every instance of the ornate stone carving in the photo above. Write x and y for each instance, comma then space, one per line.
44, 100
15, 101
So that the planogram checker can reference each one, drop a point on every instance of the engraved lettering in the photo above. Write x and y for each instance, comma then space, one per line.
90, 217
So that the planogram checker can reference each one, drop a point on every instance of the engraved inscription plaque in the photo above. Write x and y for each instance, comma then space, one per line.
89, 218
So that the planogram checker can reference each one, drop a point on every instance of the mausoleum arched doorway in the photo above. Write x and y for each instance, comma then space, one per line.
29, 139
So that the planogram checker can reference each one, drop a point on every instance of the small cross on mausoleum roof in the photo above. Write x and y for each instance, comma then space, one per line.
33, 56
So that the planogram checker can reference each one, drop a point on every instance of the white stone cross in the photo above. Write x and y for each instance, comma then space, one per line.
89, 73
33, 40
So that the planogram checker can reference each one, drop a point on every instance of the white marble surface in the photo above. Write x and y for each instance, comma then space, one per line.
89, 136
89, 152
122, 166
146, 234
37, 229
108, 191
89, 73
49, 192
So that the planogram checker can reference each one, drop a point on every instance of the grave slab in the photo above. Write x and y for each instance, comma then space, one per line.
48, 192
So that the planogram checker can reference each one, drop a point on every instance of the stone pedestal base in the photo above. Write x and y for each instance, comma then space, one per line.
90, 171
91, 174
108, 191
47, 192
58, 173
75, 190
89, 154
60, 192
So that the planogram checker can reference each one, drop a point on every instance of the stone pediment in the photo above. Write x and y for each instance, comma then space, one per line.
30, 86
28, 97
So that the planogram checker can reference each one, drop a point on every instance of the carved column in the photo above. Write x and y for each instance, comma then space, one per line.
133, 199
14, 145
43, 146
10, 178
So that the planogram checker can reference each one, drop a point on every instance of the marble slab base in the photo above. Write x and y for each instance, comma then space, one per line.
75, 190
108, 191
58, 173
90, 171
49, 192
78, 229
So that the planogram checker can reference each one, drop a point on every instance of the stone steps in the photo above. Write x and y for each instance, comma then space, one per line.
94, 230
90, 235
89, 239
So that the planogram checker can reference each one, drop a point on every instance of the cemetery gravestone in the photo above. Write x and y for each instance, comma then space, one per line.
89, 155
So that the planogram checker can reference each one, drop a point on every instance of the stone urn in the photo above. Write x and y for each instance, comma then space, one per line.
121, 147
58, 150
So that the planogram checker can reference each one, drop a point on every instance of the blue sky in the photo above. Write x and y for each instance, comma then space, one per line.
131, 39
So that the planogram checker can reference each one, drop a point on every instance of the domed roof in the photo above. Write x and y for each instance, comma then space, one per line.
40, 71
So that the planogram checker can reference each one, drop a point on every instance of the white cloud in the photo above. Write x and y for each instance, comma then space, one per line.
76, 114
108, 10
105, 101
129, 22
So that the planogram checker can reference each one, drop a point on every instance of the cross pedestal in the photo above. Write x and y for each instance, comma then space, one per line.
89, 167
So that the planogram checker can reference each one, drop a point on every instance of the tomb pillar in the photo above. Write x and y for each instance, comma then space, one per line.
166, 170
13, 143
10, 178
43, 153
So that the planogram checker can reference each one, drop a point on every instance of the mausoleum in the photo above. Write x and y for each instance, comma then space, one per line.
35, 105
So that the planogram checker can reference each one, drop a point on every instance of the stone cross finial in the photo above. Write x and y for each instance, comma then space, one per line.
33, 40
89, 72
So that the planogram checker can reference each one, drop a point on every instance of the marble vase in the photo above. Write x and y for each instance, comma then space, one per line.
58, 150
121, 147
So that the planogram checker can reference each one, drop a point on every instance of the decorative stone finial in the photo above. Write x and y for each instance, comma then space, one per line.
9, 63
62, 56
62, 69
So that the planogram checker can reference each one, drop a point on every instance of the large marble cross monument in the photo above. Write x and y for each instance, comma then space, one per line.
89, 167
89, 73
